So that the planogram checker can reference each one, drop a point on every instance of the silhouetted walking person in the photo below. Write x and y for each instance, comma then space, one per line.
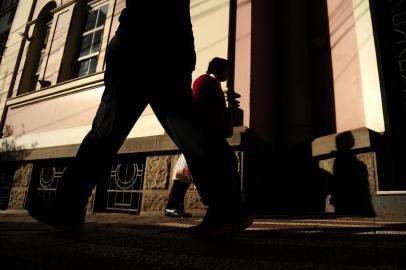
210, 105
158, 38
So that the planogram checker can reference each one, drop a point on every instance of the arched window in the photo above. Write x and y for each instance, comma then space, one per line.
84, 42
31, 78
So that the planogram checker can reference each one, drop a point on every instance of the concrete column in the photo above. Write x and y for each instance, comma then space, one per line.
358, 100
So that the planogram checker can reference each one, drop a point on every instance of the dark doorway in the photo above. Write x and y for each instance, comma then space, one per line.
389, 22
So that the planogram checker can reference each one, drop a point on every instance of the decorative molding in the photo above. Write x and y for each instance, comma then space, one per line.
63, 6
65, 88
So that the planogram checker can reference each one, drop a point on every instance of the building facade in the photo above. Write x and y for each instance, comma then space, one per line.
318, 124
7, 12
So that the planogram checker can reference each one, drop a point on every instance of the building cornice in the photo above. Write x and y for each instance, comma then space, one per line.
63, 6
68, 87
151, 144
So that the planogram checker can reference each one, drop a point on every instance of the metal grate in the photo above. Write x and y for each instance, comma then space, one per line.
120, 192
48, 178
124, 187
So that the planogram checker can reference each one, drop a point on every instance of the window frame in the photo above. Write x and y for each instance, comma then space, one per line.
94, 5
43, 53
39, 44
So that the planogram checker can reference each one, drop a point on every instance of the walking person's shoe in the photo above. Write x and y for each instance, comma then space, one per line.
63, 219
175, 206
177, 213
221, 226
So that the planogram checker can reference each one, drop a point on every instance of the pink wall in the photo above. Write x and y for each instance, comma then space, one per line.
242, 78
349, 105
68, 111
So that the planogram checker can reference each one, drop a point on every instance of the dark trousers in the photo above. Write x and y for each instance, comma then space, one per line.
167, 89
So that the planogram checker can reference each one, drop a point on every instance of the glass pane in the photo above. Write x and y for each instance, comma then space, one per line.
83, 67
2, 44
86, 44
91, 20
102, 15
93, 64
96, 41
47, 32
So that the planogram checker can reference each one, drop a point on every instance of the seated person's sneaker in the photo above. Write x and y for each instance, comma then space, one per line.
177, 213
218, 228
61, 218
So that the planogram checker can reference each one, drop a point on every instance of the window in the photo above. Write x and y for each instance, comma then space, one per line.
91, 41
33, 71
43, 47
3, 41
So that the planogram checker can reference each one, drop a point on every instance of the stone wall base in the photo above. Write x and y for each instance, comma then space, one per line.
137, 184
360, 178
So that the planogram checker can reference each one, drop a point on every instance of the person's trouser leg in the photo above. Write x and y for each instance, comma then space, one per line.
177, 195
175, 206
181, 182
120, 107
94, 158
212, 162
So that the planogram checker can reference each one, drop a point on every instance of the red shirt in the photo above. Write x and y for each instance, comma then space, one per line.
210, 102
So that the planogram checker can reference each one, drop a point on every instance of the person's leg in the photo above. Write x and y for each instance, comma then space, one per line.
111, 125
181, 182
175, 206
210, 158
119, 109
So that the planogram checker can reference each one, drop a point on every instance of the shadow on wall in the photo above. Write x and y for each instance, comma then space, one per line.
296, 106
6, 181
285, 181
290, 182
10, 154
9, 150
349, 188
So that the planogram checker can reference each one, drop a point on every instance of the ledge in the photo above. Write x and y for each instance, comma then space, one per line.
391, 192
361, 138
75, 85
160, 143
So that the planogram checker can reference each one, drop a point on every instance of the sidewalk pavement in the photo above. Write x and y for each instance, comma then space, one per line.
120, 241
